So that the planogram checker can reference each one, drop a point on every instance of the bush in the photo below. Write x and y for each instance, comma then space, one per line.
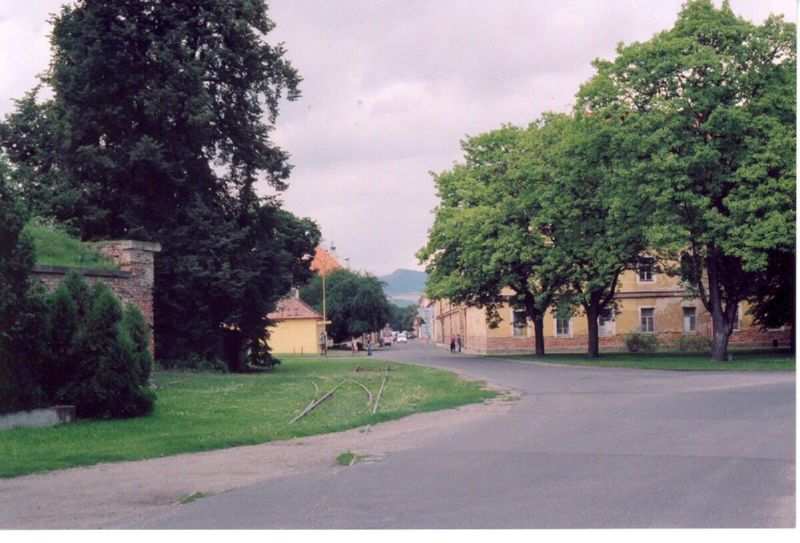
693, 343
108, 367
636, 342
75, 346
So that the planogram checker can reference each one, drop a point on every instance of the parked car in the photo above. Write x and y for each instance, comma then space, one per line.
401, 338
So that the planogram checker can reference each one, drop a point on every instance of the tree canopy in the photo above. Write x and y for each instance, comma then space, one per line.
355, 303
710, 108
485, 247
159, 129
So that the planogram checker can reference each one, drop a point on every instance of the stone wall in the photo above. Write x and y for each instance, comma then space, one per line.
132, 283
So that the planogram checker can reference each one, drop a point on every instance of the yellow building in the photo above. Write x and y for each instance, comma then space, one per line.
648, 303
297, 328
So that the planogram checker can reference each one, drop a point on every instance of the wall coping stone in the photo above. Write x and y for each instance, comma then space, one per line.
39, 268
151, 246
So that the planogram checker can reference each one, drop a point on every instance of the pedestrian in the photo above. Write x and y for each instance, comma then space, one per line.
323, 344
452, 344
458, 342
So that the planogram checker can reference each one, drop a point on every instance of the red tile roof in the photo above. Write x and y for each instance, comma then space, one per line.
293, 308
324, 261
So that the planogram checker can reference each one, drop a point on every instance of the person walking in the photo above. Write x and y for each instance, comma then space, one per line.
458, 342
452, 344
323, 344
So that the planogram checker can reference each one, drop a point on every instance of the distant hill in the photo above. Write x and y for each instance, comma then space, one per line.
404, 287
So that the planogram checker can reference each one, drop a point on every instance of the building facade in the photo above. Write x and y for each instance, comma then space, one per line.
647, 302
297, 328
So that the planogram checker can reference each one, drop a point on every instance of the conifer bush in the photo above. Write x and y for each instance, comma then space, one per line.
108, 358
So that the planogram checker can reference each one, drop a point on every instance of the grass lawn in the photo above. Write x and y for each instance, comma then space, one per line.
54, 247
764, 360
204, 411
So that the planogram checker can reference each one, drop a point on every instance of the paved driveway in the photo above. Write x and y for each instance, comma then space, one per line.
581, 448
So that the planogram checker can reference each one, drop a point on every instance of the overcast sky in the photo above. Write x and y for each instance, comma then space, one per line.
391, 87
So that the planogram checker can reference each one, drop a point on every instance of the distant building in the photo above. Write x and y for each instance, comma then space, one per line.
297, 327
425, 320
648, 302
325, 261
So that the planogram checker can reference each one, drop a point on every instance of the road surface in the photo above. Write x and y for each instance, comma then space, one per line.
581, 448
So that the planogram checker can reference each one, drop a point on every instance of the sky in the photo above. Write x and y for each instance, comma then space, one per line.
391, 87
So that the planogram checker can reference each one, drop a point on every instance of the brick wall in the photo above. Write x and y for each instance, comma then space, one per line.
132, 283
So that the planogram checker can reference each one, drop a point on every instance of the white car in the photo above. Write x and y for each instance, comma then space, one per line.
401, 338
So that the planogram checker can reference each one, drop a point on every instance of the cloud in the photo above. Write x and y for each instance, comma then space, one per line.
391, 87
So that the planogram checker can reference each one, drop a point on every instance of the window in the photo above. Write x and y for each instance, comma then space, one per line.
647, 319
520, 324
646, 270
605, 323
690, 319
563, 327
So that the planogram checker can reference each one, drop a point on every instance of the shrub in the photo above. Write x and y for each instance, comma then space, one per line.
108, 380
636, 342
693, 343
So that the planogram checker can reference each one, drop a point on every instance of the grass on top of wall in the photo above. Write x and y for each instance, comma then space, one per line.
742, 360
55, 247
205, 411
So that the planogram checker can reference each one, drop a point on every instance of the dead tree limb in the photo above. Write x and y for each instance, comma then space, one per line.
383, 385
310, 407
369, 394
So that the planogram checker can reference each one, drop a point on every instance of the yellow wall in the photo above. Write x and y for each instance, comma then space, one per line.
294, 336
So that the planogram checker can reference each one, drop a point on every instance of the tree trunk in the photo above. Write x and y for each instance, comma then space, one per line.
538, 335
592, 313
719, 342
721, 317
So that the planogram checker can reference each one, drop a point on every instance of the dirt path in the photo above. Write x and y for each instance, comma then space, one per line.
118, 494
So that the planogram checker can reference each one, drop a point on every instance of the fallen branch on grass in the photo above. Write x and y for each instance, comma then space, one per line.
314, 403
383, 385
369, 394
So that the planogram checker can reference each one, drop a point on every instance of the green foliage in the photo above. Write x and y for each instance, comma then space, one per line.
76, 346
709, 111
403, 317
485, 237
110, 376
54, 246
693, 343
135, 327
158, 129
636, 342
355, 303
20, 307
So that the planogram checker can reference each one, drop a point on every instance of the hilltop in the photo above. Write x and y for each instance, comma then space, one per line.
404, 287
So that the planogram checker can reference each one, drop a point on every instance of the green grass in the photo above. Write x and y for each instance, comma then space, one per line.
763, 360
205, 411
192, 497
55, 247
347, 458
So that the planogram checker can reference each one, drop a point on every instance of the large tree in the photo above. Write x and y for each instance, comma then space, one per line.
485, 248
710, 107
159, 130
594, 226
354, 303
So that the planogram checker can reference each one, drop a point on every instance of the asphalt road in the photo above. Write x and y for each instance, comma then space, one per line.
581, 448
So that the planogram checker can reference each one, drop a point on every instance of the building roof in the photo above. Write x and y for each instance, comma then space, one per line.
324, 261
293, 308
